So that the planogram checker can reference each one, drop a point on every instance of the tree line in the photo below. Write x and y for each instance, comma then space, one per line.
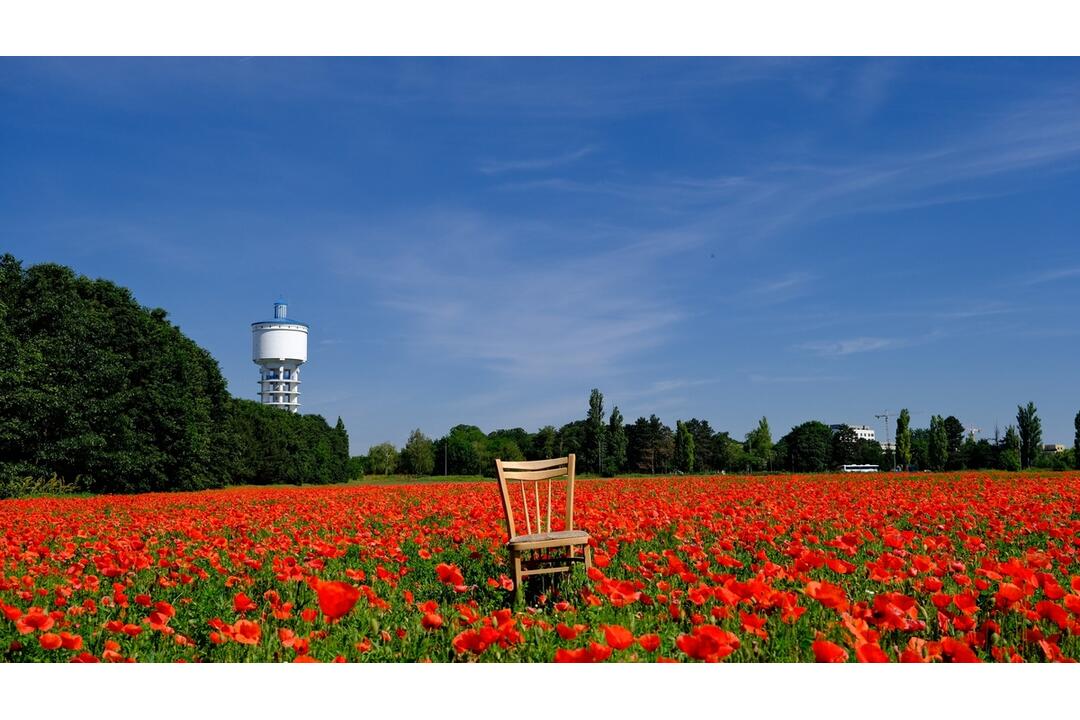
609, 446
112, 397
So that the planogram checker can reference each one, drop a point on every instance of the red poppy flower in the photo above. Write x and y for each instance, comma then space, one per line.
708, 643
49, 641
246, 632
870, 653
618, 637
336, 598
649, 643
242, 603
450, 575
592, 653
829, 595
829, 652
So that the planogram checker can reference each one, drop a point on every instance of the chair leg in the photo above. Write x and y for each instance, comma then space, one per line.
519, 592
588, 557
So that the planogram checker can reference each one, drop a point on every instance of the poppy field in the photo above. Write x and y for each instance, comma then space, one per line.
872, 568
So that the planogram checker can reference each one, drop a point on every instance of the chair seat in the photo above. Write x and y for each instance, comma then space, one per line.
551, 539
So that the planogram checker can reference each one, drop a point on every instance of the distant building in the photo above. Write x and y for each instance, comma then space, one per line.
862, 432
1052, 448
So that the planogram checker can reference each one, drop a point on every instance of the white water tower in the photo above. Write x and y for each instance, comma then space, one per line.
279, 348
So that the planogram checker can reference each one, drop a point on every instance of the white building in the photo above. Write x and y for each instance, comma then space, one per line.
862, 432
279, 348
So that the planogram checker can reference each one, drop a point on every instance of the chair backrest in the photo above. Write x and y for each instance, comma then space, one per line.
534, 472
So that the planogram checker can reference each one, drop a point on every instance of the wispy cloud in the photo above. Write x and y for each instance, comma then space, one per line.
495, 167
832, 348
759, 379
783, 288
1053, 276
466, 288
776, 199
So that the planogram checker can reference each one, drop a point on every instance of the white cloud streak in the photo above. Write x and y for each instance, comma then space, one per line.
495, 167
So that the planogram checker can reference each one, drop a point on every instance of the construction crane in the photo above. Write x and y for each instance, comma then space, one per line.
886, 414
892, 451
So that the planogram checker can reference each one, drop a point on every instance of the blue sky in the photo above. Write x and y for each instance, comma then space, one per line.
485, 240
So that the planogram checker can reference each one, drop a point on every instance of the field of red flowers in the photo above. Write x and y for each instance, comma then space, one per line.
959, 568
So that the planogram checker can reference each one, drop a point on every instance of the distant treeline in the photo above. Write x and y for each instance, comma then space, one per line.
112, 397
610, 446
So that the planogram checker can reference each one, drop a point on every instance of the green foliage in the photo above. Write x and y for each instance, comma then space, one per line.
809, 447
903, 439
464, 450
1010, 459
99, 387
419, 454
544, 444
650, 446
954, 438
104, 390
355, 467
268, 446
845, 446
1076, 441
20, 487
383, 458
595, 434
1030, 428
684, 448
616, 443
759, 442
938, 451
704, 445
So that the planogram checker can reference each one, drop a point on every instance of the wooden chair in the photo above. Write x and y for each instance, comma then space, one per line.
530, 552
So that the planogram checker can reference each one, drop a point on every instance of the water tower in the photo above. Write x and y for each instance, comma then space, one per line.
279, 348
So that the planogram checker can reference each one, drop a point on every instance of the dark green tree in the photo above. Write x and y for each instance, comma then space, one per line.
99, 389
501, 447
544, 444
465, 449
1009, 457
954, 438
571, 439
939, 444
903, 439
704, 445
1076, 440
920, 448
1030, 428
809, 447
595, 433
845, 446
684, 448
616, 443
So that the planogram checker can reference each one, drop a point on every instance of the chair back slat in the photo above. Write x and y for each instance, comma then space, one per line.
525, 504
536, 497
549, 507
536, 470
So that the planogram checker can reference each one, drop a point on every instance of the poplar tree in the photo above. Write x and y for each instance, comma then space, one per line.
616, 443
903, 439
1076, 441
1030, 427
939, 443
